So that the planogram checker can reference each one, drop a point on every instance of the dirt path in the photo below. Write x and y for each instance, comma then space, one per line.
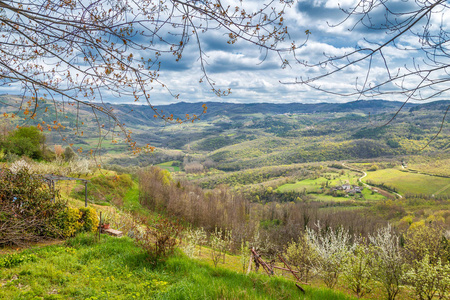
442, 189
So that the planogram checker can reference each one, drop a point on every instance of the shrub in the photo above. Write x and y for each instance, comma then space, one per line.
27, 208
160, 240
89, 219
68, 222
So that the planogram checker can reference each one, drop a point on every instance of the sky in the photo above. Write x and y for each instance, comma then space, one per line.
254, 75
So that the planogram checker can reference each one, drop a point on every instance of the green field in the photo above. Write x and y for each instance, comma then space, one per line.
410, 183
315, 186
169, 166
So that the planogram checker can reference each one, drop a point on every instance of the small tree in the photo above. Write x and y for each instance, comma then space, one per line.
217, 245
389, 260
69, 154
301, 254
358, 271
429, 279
332, 248
27, 141
245, 254
193, 238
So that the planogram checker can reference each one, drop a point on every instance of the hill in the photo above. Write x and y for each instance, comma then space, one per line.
240, 136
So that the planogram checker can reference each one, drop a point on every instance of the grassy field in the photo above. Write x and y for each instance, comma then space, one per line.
169, 166
406, 182
116, 269
431, 166
314, 186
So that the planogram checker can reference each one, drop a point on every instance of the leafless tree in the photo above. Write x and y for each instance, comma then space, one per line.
77, 52
415, 29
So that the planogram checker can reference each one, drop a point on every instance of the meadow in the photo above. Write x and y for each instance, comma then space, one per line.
115, 268
411, 183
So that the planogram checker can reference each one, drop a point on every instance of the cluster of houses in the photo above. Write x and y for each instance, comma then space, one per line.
349, 189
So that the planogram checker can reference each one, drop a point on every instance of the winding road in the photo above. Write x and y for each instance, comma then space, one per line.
380, 191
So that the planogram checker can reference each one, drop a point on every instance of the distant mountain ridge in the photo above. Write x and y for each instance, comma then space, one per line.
222, 108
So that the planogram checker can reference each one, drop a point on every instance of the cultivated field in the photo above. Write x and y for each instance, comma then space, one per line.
410, 183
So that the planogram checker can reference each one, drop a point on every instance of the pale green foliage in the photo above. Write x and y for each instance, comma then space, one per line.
301, 255
430, 279
245, 255
424, 239
193, 238
219, 242
332, 248
358, 272
261, 244
19, 165
59, 166
389, 258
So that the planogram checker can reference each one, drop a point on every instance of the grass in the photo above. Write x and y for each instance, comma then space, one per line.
412, 183
169, 166
116, 269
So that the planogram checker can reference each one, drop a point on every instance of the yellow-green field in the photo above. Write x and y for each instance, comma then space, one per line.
410, 183
169, 166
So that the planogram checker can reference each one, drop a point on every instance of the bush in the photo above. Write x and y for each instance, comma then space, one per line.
27, 208
15, 259
89, 219
160, 240
68, 222
73, 220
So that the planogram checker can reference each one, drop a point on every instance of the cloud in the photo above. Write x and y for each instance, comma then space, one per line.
255, 77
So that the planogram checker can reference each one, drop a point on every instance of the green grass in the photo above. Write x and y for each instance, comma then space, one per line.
406, 182
131, 201
116, 269
169, 166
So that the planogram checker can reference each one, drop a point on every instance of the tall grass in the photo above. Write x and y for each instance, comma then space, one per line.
84, 268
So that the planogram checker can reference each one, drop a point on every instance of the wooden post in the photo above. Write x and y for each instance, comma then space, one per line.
85, 194
293, 273
265, 266
250, 264
53, 190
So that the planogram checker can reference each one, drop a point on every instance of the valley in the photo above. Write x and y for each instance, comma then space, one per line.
277, 178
